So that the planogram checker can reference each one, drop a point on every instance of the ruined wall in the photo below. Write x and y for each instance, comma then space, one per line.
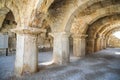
114, 42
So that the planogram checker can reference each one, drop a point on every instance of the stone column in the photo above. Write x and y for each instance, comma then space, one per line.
79, 44
27, 54
90, 45
108, 41
98, 44
61, 54
102, 43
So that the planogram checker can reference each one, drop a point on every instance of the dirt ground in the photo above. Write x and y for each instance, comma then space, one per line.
103, 65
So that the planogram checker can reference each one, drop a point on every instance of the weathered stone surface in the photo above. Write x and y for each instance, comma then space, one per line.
61, 53
34, 20
26, 55
79, 45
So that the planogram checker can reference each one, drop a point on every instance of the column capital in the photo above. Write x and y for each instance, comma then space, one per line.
30, 30
54, 34
100, 36
79, 36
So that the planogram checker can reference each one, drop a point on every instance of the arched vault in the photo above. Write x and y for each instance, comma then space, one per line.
33, 13
103, 24
3, 12
107, 34
112, 27
81, 24
62, 16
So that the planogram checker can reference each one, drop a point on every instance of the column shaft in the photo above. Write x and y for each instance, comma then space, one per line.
26, 52
90, 45
102, 44
61, 53
79, 45
98, 44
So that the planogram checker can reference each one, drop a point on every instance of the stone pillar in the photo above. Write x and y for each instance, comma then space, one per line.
27, 54
108, 41
90, 45
102, 43
79, 44
61, 54
98, 44
107, 38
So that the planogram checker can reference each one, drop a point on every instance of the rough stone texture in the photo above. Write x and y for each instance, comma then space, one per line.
45, 41
95, 18
64, 11
26, 54
103, 65
61, 53
79, 45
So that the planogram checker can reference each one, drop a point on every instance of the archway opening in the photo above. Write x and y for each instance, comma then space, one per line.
45, 47
5, 30
117, 34
114, 41
7, 45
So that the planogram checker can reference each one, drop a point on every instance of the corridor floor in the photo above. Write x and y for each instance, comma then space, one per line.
103, 65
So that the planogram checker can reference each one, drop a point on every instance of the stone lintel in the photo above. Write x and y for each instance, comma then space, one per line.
32, 31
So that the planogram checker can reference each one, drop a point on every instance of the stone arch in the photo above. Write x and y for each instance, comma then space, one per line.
11, 6
108, 33
9, 10
33, 13
67, 12
111, 27
105, 31
99, 41
102, 24
9, 19
92, 16
29, 16
90, 19
3, 12
81, 20
8, 24
96, 29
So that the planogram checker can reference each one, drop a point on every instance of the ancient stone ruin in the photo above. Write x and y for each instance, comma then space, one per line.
66, 28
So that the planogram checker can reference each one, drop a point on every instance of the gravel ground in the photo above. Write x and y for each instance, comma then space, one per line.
103, 65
